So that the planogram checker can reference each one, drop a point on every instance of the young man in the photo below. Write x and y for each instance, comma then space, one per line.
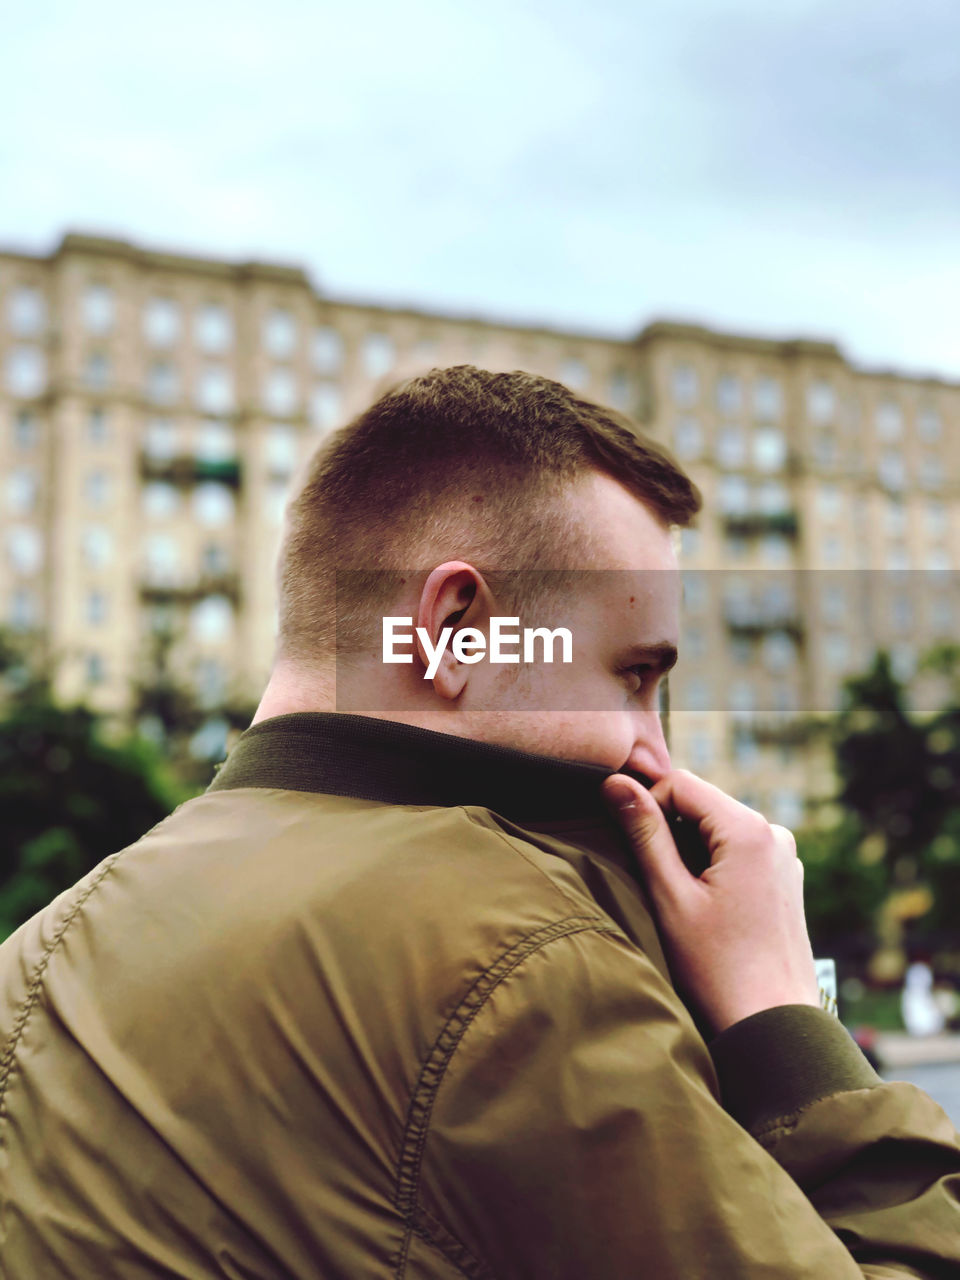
399, 996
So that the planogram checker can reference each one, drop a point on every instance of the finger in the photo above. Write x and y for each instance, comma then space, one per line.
646, 828
684, 793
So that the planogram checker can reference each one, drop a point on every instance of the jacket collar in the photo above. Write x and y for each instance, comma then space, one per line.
371, 759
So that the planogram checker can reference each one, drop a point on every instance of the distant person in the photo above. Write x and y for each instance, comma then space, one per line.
922, 1015
418, 988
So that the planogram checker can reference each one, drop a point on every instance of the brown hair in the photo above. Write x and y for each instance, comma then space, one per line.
457, 463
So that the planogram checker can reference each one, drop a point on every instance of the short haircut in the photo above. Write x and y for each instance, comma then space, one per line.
457, 463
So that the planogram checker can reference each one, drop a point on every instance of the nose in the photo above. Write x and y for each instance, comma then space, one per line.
649, 754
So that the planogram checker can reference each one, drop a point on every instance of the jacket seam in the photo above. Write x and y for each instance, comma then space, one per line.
434, 1068
33, 990
515, 847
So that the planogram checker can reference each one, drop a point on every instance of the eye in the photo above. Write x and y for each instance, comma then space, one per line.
637, 675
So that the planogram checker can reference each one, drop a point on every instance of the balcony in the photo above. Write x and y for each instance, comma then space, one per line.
756, 618
186, 470
757, 523
160, 589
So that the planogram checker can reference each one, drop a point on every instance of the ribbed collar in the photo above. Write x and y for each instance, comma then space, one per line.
371, 759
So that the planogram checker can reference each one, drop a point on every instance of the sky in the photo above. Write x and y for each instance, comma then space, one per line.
771, 167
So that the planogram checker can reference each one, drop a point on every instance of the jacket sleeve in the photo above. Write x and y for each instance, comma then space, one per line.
580, 1127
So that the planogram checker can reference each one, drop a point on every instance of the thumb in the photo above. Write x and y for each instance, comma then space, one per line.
646, 828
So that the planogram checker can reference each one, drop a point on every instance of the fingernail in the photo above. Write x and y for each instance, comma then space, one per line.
620, 796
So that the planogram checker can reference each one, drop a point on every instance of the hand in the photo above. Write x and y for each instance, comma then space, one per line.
736, 937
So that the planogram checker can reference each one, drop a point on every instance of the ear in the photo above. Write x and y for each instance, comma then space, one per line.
454, 596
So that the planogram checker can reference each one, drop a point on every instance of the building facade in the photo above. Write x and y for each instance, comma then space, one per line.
156, 410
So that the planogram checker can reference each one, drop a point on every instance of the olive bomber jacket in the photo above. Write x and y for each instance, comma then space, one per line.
387, 1003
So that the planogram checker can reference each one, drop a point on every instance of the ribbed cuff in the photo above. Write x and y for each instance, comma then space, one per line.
780, 1060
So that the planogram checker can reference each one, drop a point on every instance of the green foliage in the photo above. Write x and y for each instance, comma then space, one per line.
842, 888
68, 796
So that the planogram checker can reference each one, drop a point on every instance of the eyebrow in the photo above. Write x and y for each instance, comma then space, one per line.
662, 654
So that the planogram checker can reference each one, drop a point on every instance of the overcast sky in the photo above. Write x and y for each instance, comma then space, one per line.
769, 166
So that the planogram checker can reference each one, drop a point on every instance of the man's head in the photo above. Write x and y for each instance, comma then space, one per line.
427, 505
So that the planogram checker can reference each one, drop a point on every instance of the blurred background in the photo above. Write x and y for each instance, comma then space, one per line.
224, 228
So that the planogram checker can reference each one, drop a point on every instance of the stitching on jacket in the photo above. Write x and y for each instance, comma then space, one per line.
515, 846
33, 991
432, 1232
434, 1066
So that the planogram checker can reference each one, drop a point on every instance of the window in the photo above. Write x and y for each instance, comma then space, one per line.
281, 450
96, 488
24, 548
210, 740
573, 372
836, 651
929, 425
24, 612
769, 448
378, 354
772, 498
215, 560
832, 549
897, 557
211, 682
903, 661
733, 495
162, 556
27, 311
821, 402
26, 372
98, 308
895, 518
280, 333
687, 438
163, 383
937, 558
96, 608
775, 549
901, 612
213, 503
729, 394
325, 405
767, 399
690, 542
96, 545
214, 389
161, 322
829, 502
701, 750
684, 385
327, 350
280, 392
787, 807
892, 470
21, 491
826, 449
276, 501
698, 694
778, 650
211, 619
619, 390
213, 328
931, 471
216, 442
694, 592
740, 649
160, 440
833, 602
731, 446
96, 371
425, 352
160, 499
98, 426
25, 429
935, 518
889, 420
742, 697
96, 668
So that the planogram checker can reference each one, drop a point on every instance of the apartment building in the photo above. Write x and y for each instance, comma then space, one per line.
156, 409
